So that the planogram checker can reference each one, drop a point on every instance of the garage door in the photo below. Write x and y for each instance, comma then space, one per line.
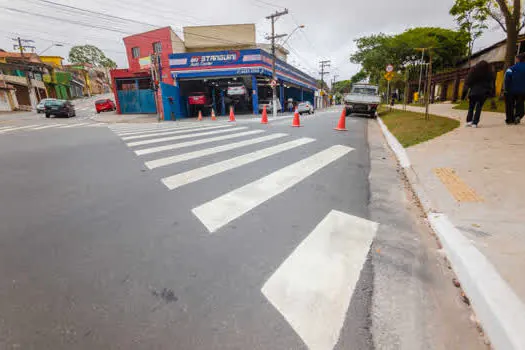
134, 98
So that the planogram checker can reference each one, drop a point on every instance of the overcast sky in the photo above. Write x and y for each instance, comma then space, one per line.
331, 25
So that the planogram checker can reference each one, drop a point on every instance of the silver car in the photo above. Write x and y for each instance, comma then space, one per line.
41, 106
305, 107
268, 104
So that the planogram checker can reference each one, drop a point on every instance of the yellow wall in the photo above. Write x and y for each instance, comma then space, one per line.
460, 89
219, 36
450, 91
55, 61
499, 82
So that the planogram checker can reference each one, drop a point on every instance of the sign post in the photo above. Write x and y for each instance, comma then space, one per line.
388, 76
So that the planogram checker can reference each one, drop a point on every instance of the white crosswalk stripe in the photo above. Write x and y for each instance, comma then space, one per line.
175, 146
150, 130
191, 176
182, 137
73, 125
218, 212
172, 132
157, 163
313, 286
224, 209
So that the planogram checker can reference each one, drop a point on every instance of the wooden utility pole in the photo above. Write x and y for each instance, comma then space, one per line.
22, 45
323, 64
429, 86
273, 18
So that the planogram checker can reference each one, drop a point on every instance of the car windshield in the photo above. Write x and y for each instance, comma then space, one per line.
54, 102
101, 101
364, 91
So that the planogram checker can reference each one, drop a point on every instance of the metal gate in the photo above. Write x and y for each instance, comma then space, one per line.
135, 96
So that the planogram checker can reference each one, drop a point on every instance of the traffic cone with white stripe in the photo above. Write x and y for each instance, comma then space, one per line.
232, 115
264, 119
296, 120
213, 114
341, 126
200, 116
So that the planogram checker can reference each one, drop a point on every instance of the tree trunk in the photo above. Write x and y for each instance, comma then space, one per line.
512, 41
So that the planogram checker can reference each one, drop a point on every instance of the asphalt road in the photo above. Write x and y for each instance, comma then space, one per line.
217, 236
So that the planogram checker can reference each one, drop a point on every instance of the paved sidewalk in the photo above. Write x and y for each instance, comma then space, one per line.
476, 177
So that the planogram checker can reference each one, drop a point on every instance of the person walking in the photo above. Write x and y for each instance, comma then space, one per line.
479, 86
514, 91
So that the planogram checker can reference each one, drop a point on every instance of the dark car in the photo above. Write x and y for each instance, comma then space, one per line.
105, 105
59, 108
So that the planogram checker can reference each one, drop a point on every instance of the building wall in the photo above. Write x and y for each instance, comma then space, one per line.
55, 61
203, 37
4, 100
144, 41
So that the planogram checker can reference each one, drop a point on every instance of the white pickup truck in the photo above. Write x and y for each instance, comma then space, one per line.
363, 99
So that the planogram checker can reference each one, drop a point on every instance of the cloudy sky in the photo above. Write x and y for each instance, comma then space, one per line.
331, 25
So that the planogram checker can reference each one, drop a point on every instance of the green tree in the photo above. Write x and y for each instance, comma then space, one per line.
90, 54
375, 52
358, 77
471, 17
342, 87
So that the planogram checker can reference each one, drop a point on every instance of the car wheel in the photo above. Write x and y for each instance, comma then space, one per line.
48, 115
98, 112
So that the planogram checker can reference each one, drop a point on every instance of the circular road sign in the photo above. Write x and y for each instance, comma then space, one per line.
273, 83
390, 68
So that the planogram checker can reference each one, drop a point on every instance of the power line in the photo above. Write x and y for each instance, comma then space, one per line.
324, 64
115, 30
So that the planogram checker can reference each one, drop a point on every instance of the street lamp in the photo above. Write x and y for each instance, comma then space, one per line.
293, 31
52, 45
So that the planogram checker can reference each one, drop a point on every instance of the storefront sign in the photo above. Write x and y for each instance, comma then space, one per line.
216, 58
145, 62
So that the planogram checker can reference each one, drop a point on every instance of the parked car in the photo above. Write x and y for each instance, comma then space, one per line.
363, 99
41, 106
105, 105
305, 107
268, 104
59, 108
199, 98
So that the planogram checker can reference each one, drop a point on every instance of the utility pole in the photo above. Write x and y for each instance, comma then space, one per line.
273, 17
323, 64
22, 45
429, 86
420, 71
333, 81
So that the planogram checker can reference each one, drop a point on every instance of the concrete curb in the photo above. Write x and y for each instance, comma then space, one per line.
498, 308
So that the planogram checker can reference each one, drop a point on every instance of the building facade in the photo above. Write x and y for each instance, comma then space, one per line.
222, 64
21, 81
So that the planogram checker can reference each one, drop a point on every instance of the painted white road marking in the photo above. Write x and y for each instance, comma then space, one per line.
194, 175
47, 126
73, 125
182, 137
138, 128
172, 132
144, 151
312, 288
157, 163
150, 130
13, 128
220, 211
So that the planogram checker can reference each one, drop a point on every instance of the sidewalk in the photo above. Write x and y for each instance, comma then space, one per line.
113, 117
477, 178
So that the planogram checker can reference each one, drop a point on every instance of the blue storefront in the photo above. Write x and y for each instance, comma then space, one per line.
215, 75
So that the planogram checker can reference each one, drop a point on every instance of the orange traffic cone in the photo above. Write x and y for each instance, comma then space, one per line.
232, 115
341, 126
264, 119
200, 116
296, 122
213, 114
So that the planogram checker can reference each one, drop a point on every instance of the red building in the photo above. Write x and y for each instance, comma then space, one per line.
132, 86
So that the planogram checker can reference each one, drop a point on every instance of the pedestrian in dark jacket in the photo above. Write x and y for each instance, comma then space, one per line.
514, 90
479, 86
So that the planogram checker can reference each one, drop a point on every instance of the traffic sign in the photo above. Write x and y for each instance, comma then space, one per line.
273, 83
389, 76
390, 68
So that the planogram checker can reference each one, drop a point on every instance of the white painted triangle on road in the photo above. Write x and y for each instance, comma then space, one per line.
313, 287
224, 209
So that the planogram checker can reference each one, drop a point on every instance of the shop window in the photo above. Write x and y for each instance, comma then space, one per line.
157, 47
135, 52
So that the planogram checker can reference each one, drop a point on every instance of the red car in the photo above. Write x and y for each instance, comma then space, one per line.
105, 105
